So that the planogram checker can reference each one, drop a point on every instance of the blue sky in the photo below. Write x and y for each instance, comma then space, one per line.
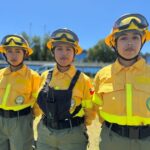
92, 20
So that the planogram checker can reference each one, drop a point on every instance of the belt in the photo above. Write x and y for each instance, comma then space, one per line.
63, 124
133, 132
12, 114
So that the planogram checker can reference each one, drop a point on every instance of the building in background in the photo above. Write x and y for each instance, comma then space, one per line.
147, 59
1, 56
81, 57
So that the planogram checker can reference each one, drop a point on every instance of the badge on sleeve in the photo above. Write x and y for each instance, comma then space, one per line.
19, 100
72, 103
148, 103
91, 91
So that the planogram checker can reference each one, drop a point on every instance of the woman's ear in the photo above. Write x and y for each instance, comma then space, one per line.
26, 54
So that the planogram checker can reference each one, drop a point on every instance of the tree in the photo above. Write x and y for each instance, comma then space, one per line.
40, 50
101, 53
46, 55
36, 46
25, 35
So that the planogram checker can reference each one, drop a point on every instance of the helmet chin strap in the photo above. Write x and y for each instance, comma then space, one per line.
68, 66
60, 66
126, 59
15, 66
19, 65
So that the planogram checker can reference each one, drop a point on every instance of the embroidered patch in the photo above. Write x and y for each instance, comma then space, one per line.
148, 103
19, 100
72, 103
91, 91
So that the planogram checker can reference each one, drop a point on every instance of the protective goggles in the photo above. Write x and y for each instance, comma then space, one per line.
16, 39
68, 36
125, 21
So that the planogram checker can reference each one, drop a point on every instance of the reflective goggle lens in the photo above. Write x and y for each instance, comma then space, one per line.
68, 36
17, 40
125, 21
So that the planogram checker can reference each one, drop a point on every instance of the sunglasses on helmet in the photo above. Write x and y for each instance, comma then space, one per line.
68, 36
125, 21
16, 39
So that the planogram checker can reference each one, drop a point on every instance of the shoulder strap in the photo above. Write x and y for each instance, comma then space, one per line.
74, 80
48, 79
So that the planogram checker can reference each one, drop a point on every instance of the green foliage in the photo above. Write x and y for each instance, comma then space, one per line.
101, 53
46, 55
36, 46
40, 50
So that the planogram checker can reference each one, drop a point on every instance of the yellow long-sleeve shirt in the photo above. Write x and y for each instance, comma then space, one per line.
122, 93
18, 89
81, 92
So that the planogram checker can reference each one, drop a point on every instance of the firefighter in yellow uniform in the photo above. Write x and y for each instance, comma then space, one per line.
122, 89
65, 97
18, 92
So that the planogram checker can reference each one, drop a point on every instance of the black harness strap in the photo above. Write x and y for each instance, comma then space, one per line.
72, 84
48, 79
74, 80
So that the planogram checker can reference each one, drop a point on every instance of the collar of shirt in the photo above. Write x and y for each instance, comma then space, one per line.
20, 71
70, 72
139, 65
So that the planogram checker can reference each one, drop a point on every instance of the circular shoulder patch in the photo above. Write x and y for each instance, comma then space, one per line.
19, 100
148, 103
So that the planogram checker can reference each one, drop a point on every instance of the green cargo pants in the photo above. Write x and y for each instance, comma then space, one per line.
110, 140
16, 133
65, 139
